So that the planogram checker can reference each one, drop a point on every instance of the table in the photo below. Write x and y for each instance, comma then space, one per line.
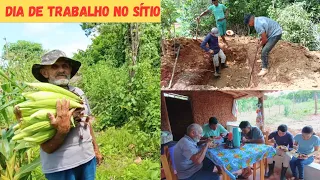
232, 160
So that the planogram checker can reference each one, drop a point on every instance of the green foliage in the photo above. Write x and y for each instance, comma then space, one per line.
147, 170
108, 46
296, 24
239, 8
21, 56
286, 110
169, 15
121, 146
137, 98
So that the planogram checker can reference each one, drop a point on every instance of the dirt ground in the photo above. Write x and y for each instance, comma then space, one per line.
290, 66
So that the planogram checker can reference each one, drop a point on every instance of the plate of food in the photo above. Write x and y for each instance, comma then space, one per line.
281, 147
212, 145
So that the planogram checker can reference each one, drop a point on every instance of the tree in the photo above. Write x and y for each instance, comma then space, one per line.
21, 56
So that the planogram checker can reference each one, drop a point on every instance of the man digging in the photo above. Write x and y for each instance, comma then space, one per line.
220, 13
270, 33
212, 40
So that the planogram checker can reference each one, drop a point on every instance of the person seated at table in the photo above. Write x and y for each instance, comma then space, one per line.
249, 134
280, 138
189, 158
306, 142
213, 128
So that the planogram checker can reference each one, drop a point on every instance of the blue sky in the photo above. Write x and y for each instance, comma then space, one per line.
68, 37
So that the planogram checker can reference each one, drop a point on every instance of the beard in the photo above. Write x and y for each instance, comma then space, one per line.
196, 139
60, 82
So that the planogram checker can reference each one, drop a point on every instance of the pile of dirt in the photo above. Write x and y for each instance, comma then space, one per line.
290, 66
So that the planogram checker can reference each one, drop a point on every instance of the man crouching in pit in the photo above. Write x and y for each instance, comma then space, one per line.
72, 153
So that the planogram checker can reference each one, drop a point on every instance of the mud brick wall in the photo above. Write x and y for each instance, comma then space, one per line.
205, 104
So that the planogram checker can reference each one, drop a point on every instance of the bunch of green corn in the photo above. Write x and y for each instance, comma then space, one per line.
35, 127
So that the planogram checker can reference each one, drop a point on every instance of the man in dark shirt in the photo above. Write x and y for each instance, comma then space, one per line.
249, 134
214, 49
281, 138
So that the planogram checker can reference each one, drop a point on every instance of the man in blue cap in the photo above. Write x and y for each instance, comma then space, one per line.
214, 49
220, 13
270, 33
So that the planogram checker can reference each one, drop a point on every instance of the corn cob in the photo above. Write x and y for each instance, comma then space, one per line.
16, 127
53, 88
21, 135
41, 136
40, 126
28, 111
46, 104
43, 113
43, 95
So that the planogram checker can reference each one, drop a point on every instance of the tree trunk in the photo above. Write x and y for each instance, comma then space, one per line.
134, 31
260, 100
315, 103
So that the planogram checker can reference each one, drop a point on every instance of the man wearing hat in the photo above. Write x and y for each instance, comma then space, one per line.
220, 13
214, 49
270, 33
73, 152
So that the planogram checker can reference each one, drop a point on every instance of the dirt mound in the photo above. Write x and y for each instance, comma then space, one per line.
290, 66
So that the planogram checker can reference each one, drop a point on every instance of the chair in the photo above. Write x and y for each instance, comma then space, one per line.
255, 166
167, 165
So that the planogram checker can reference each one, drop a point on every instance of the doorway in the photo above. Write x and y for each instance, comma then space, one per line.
180, 114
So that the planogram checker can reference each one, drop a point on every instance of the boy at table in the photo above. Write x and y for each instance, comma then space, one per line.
249, 134
213, 128
281, 138
189, 158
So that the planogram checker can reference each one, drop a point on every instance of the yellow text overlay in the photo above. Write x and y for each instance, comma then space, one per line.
80, 11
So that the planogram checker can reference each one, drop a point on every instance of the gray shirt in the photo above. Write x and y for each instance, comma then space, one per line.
267, 25
183, 150
254, 134
74, 151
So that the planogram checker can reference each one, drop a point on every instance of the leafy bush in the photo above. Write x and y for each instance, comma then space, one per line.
296, 24
286, 110
121, 146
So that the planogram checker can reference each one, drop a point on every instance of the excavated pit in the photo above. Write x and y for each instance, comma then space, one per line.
290, 66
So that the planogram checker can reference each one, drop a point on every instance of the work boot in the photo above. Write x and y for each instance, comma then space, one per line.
263, 72
218, 70
216, 74
224, 65
283, 173
271, 168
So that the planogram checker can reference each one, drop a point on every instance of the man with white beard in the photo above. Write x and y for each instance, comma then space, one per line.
72, 153
189, 158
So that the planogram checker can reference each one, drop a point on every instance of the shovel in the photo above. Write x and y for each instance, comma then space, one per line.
254, 62
197, 30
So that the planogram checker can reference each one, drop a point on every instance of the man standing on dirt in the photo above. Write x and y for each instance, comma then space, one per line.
214, 49
270, 33
73, 152
220, 13
190, 159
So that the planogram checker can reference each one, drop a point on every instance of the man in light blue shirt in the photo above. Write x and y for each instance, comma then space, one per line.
213, 128
270, 33
189, 158
220, 13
